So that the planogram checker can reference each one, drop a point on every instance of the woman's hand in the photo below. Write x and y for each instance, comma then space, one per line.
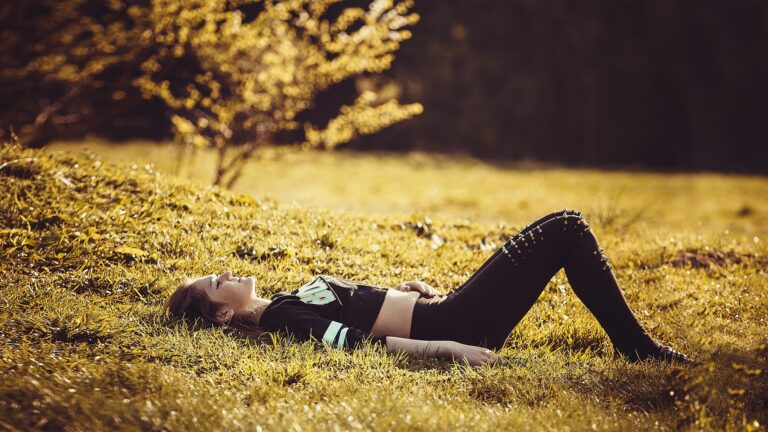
474, 355
424, 289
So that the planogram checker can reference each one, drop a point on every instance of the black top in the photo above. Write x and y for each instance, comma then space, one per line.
336, 311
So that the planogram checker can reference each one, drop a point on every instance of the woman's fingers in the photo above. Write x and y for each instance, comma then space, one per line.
411, 286
486, 356
407, 286
489, 359
477, 356
418, 286
424, 289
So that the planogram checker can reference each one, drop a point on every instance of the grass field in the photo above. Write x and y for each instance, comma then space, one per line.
91, 249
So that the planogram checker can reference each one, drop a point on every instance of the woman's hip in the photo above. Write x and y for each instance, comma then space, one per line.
448, 320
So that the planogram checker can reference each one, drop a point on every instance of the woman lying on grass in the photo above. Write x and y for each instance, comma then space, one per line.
414, 318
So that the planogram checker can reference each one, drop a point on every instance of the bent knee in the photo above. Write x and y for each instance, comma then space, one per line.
571, 212
573, 221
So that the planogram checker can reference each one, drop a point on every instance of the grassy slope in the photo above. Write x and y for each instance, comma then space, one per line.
383, 183
90, 250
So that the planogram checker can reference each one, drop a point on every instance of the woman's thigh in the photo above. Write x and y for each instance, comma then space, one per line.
524, 231
499, 294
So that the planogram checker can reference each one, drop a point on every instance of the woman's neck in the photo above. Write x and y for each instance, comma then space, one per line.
256, 308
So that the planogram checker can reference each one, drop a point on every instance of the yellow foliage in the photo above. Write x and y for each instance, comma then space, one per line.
273, 66
77, 46
362, 118
235, 79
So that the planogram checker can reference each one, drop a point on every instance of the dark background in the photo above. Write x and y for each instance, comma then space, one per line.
662, 84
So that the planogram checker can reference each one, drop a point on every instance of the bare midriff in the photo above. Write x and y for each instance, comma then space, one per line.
396, 313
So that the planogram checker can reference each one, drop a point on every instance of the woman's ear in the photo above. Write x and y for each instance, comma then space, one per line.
224, 315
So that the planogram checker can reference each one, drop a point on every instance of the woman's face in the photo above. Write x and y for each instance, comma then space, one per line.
235, 293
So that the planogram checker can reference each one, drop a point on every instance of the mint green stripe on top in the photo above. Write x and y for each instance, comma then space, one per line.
331, 332
342, 338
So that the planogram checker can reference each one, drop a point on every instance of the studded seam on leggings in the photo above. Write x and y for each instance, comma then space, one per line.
520, 245
536, 224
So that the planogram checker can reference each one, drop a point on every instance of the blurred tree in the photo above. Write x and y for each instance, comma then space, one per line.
250, 78
55, 58
233, 73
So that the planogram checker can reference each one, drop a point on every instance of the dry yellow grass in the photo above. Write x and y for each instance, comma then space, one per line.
90, 250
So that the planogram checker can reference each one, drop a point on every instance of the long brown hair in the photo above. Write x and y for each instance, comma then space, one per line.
187, 302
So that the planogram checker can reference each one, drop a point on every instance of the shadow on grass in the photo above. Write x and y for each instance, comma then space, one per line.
729, 389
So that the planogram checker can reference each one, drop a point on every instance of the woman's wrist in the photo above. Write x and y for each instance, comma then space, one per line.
445, 348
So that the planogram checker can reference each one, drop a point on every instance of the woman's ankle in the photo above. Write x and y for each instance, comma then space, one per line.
660, 352
639, 349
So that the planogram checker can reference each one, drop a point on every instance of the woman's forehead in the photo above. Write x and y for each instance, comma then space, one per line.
201, 281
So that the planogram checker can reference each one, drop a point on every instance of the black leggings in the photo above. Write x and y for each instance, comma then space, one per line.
485, 309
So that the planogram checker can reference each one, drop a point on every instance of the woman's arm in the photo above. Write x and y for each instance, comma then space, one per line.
473, 354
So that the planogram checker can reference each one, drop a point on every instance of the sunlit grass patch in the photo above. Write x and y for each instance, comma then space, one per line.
90, 250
